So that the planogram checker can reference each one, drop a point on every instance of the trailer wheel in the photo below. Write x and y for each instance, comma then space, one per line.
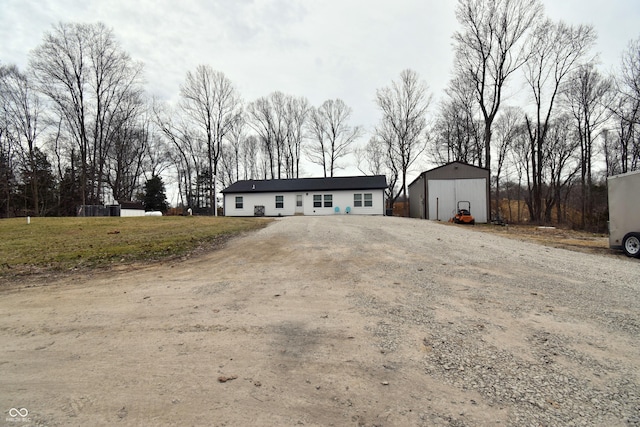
631, 244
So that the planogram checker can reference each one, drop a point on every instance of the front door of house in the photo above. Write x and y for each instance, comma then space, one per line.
299, 205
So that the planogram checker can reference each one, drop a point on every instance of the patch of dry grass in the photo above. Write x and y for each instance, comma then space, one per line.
581, 241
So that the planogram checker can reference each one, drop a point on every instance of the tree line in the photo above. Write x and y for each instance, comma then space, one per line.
76, 126
572, 125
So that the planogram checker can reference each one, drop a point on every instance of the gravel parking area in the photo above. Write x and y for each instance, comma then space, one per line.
340, 320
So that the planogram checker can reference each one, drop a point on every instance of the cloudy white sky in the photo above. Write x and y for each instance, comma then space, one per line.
320, 49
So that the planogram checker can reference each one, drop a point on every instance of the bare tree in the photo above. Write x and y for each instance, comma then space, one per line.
556, 50
375, 159
627, 111
9, 148
235, 137
297, 117
211, 102
561, 167
279, 121
21, 111
87, 76
490, 48
261, 120
185, 152
508, 126
458, 133
318, 149
267, 118
331, 135
251, 156
520, 159
227, 168
403, 124
280, 129
136, 152
589, 96
117, 90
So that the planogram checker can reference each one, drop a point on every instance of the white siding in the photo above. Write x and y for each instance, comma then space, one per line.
268, 200
442, 199
132, 212
340, 200
444, 194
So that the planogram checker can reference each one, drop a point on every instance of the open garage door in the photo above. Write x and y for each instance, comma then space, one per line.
444, 194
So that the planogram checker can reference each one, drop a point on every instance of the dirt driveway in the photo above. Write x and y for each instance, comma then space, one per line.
341, 320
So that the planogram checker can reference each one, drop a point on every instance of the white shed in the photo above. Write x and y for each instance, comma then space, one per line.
357, 195
128, 208
435, 194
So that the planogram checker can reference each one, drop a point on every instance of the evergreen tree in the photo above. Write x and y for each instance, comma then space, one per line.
155, 198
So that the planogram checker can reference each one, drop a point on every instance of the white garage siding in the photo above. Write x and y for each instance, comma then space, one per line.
444, 194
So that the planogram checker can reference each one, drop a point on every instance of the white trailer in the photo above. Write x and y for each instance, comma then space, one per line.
624, 212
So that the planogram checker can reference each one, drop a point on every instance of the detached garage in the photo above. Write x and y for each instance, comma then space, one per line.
435, 193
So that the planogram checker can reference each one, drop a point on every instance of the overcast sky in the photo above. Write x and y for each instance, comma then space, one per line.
320, 49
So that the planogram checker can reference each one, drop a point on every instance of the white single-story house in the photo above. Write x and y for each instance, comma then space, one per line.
435, 194
356, 195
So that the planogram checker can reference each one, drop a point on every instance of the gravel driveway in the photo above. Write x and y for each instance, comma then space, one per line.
340, 320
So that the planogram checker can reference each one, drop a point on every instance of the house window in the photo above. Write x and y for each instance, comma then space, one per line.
357, 200
239, 202
368, 200
279, 202
318, 200
299, 200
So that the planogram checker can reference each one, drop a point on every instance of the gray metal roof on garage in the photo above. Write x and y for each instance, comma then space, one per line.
309, 184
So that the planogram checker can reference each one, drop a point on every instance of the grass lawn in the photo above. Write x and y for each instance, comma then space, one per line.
66, 243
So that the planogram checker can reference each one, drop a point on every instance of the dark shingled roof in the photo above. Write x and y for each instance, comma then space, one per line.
309, 184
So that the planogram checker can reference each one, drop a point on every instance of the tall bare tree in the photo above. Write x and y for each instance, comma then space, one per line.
87, 76
508, 126
556, 50
588, 95
212, 103
297, 118
331, 135
186, 153
375, 159
261, 120
490, 48
132, 152
251, 157
561, 166
267, 116
627, 111
21, 111
279, 121
237, 134
403, 126
9, 149
458, 133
